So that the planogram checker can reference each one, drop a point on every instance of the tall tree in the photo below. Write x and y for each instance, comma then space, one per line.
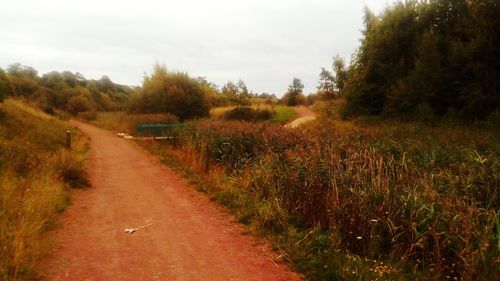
340, 74
230, 91
326, 84
244, 95
295, 90
237, 94
436, 57
53, 80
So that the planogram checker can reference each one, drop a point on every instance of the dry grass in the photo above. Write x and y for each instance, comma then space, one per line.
218, 112
31, 110
33, 167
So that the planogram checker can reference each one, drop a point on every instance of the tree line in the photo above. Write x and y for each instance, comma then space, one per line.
427, 58
67, 91
162, 91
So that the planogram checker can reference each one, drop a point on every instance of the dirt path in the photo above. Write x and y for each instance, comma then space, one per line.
304, 115
189, 238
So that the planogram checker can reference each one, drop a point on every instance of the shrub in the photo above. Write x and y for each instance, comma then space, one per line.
48, 109
79, 104
249, 114
87, 115
72, 171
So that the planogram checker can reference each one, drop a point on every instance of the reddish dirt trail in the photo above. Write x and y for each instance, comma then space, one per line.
305, 114
190, 238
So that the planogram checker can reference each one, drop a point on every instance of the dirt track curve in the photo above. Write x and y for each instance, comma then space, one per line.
189, 237
304, 115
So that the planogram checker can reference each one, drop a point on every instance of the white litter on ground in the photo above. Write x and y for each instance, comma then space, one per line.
125, 136
132, 230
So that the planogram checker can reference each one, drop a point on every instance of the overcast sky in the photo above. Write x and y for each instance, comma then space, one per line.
264, 42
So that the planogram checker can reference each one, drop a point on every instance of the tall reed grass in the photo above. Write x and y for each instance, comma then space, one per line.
362, 202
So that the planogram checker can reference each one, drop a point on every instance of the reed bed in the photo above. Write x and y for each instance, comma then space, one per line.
359, 202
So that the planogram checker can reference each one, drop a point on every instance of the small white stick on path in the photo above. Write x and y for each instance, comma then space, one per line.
132, 230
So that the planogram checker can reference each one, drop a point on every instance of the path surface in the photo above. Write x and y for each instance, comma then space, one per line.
190, 238
304, 115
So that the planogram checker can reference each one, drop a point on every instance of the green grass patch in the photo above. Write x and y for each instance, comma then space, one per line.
283, 114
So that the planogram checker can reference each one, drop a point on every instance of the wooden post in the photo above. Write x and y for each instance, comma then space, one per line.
68, 139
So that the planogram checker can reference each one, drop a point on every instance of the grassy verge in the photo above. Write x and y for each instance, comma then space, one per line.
36, 173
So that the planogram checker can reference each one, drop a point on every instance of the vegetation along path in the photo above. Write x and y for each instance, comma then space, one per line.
185, 236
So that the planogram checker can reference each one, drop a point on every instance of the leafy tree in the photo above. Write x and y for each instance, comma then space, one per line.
340, 74
326, 85
332, 84
80, 79
170, 92
209, 89
53, 80
384, 58
294, 94
230, 90
243, 95
105, 84
236, 94
79, 103
19, 70
437, 54
107, 103
70, 79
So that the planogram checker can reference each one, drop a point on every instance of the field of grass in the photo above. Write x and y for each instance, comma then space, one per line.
36, 172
